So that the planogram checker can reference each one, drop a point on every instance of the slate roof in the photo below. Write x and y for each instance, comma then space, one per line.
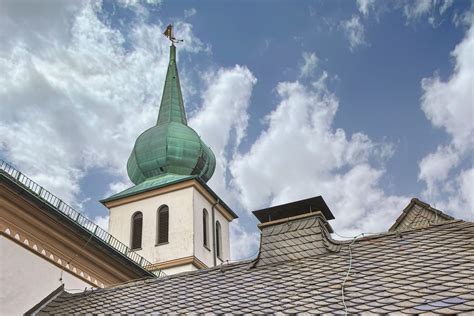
419, 214
424, 270
304, 236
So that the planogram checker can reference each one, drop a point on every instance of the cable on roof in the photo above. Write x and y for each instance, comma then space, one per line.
253, 256
72, 259
78, 290
351, 237
348, 271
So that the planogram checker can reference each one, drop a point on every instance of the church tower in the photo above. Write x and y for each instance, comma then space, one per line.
170, 216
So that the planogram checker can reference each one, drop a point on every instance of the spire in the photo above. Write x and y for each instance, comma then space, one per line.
170, 149
172, 105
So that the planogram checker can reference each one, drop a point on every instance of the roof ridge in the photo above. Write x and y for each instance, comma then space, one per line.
428, 206
222, 267
390, 233
424, 205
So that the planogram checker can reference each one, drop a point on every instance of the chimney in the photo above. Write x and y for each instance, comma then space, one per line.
295, 231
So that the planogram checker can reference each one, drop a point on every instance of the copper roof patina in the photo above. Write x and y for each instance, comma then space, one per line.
171, 149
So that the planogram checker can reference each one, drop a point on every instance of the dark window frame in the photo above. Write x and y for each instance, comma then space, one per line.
218, 240
136, 231
162, 225
205, 228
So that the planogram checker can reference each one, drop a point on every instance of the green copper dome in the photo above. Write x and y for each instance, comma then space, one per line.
170, 147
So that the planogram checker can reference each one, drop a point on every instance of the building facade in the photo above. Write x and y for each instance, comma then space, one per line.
45, 243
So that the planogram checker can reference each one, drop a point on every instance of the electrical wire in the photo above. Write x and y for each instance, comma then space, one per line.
72, 259
75, 291
351, 237
348, 271
243, 259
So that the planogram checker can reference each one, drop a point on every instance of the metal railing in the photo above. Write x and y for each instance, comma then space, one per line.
66, 210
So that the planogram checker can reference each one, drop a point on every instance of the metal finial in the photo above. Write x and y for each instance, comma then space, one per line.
169, 34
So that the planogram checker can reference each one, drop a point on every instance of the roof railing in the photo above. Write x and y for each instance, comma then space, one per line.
63, 208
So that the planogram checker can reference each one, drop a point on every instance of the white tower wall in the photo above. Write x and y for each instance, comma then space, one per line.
185, 236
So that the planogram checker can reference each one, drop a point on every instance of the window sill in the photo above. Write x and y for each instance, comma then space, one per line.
135, 249
162, 243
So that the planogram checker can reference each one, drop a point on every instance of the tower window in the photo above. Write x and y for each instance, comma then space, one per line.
137, 226
163, 224
205, 225
218, 240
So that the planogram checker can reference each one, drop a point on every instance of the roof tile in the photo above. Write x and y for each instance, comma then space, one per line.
430, 275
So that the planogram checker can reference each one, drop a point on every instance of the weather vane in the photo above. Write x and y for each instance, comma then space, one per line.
169, 34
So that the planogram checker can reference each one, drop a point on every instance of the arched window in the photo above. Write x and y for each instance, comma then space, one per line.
218, 240
205, 225
163, 224
137, 226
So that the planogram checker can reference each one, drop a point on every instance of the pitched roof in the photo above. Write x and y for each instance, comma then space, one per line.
415, 271
73, 219
419, 214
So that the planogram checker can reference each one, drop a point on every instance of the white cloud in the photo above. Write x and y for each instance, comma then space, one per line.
365, 6
433, 9
435, 167
415, 9
445, 6
244, 244
354, 31
102, 222
118, 186
75, 92
301, 155
189, 12
222, 119
131, 3
449, 104
309, 65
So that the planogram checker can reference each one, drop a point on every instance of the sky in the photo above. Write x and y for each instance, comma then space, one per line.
367, 103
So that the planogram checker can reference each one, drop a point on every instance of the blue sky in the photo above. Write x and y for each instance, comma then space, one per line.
368, 103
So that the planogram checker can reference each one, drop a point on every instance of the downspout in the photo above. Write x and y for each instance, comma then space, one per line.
214, 232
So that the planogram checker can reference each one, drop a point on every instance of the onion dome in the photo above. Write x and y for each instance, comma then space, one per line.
170, 148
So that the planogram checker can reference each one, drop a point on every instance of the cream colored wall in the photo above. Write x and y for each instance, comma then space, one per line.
225, 237
179, 269
26, 278
180, 236
203, 254
185, 227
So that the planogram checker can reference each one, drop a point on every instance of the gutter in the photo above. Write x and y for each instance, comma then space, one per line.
214, 256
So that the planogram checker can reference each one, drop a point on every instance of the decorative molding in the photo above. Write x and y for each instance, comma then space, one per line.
171, 188
148, 194
178, 262
48, 236
35, 246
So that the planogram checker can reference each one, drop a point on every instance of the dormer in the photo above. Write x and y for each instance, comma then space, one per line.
418, 214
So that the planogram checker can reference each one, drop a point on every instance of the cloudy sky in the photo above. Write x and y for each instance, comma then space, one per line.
367, 103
